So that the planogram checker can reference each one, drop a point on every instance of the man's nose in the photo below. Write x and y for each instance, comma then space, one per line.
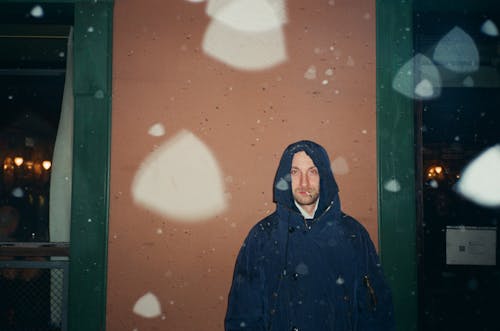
304, 181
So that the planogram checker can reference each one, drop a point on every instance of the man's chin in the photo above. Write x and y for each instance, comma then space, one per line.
306, 201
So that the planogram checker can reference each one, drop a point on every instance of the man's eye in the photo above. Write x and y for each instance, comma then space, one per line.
293, 171
313, 171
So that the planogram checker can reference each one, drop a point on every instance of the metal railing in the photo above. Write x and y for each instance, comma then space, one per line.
33, 286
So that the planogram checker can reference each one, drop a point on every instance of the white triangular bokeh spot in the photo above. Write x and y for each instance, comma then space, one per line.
424, 89
457, 52
147, 306
340, 166
242, 50
489, 28
468, 81
249, 15
480, 181
181, 179
418, 69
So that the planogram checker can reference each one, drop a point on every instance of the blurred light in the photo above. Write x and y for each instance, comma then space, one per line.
181, 170
480, 181
37, 168
249, 15
18, 161
457, 52
157, 130
424, 89
435, 172
340, 166
489, 28
18, 192
418, 79
310, 73
147, 306
37, 11
8, 164
468, 81
243, 50
392, 186
246, 34
46, 164
282, 185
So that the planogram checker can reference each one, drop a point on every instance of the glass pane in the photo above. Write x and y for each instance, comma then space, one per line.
29, 124
33, 279
32, 75
458, 119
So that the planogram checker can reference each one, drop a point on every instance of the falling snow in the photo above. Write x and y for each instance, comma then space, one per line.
37, 11
310, 73
392, 186
157, 130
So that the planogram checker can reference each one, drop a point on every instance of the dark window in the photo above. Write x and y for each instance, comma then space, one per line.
459, 282
33, 278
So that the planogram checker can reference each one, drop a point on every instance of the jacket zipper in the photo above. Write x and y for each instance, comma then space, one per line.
373, 297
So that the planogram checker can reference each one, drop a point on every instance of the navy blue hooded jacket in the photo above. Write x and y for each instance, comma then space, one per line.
308, 275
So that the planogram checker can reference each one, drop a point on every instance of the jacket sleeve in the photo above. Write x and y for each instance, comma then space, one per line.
374, 298
245, 305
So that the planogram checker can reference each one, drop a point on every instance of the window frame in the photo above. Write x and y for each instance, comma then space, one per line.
92, 79
396, 161
92, 54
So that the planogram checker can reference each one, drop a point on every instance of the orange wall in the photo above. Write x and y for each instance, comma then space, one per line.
244, 119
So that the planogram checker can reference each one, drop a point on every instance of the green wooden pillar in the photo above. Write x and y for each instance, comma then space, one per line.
92, 65
396, 165
91, 158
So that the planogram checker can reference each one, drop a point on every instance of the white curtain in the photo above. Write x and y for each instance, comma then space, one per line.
62, 160
60, 182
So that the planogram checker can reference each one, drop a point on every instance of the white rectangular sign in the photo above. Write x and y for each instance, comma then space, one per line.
471, 245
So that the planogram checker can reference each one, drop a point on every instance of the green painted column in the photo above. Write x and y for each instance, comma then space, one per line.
90, 198
396, 161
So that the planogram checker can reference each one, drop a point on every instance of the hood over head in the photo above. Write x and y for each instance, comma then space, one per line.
328, 189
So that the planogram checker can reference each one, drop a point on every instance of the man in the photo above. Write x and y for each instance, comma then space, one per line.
308, 266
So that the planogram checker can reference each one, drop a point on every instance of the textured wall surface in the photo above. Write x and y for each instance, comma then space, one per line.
207, 94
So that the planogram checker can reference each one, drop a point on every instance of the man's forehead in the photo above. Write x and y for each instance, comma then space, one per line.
302, 159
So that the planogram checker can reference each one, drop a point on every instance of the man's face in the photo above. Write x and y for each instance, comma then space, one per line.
305, 180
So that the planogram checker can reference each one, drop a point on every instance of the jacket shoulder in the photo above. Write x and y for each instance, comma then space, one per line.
266, 225
353, 228
261, 234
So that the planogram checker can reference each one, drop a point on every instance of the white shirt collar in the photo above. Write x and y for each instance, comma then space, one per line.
305, 213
